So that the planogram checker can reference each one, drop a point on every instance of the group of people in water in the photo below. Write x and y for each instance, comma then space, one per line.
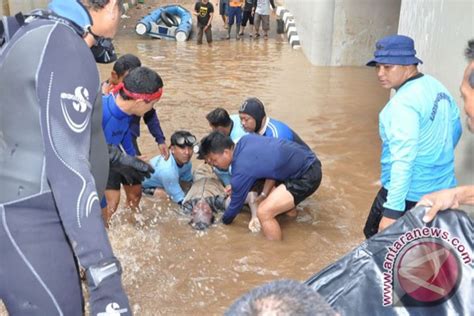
279, 166
57, 167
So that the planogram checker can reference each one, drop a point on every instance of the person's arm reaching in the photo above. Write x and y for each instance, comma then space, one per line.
153, 123
66, 90
267, 188
241, 186
170, 180
444, 199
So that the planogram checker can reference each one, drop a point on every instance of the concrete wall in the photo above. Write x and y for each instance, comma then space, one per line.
358, 25
441, 30
342, 32
10, 7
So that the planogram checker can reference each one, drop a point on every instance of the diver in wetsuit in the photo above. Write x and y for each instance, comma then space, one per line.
51, 145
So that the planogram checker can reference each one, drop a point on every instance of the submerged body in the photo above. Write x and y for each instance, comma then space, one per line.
205, 197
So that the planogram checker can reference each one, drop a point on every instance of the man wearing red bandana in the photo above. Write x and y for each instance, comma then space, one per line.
136, 95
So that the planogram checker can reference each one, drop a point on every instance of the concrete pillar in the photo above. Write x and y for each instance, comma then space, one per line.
4, 8
358, 25
342, 32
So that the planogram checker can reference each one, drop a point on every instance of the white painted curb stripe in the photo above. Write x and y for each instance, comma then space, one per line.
290, 26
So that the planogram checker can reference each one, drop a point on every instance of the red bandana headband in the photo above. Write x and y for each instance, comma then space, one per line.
147, 97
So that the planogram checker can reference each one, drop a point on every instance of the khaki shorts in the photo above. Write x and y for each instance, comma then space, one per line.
265, 19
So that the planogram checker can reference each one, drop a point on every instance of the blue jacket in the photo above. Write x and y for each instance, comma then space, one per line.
278, 129
167, 176
116, 125
256, 157
419, 128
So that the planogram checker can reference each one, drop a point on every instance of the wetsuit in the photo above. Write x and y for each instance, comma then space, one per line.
49, 207
257, 157
150, 118
153, 123
167, 176
278, 129
116, 125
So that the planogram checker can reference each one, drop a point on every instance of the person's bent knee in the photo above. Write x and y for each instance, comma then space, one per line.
264, 214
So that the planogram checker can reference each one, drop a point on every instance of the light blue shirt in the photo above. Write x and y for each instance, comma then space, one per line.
235, 134
237, 129
167, 176
419, 127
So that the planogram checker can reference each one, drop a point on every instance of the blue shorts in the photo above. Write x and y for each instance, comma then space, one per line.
237, 13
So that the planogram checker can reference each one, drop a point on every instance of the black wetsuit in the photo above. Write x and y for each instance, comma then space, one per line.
49, 207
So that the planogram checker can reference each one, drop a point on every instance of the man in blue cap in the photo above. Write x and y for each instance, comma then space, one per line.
54, 163
419, 128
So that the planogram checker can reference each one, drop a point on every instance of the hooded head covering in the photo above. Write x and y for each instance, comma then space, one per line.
254, 107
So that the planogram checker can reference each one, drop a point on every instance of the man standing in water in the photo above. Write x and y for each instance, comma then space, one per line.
419, 128
452, 198
204, 10
136, 95
49, 206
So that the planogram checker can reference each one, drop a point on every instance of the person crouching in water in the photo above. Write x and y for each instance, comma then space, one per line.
168, 175
295, 167
136, 95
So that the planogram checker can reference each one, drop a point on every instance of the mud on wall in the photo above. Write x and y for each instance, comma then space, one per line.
342, 32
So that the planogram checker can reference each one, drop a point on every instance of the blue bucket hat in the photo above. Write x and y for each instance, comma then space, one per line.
395, 50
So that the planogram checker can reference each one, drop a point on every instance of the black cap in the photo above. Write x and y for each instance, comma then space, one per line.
254, 107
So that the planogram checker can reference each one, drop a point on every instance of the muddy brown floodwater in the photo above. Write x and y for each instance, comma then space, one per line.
170, 269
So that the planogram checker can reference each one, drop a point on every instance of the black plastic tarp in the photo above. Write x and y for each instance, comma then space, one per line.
413, 268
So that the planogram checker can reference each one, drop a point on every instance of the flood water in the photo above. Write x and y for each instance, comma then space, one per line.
170, 269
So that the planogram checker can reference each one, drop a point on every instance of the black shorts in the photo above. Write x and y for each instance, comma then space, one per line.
116, 179
247, 16
376, 212
303, 187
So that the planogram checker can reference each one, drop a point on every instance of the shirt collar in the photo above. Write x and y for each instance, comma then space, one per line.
114, 108
264, 126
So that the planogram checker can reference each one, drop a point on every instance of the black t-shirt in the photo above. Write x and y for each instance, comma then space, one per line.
249, 4
204, 11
